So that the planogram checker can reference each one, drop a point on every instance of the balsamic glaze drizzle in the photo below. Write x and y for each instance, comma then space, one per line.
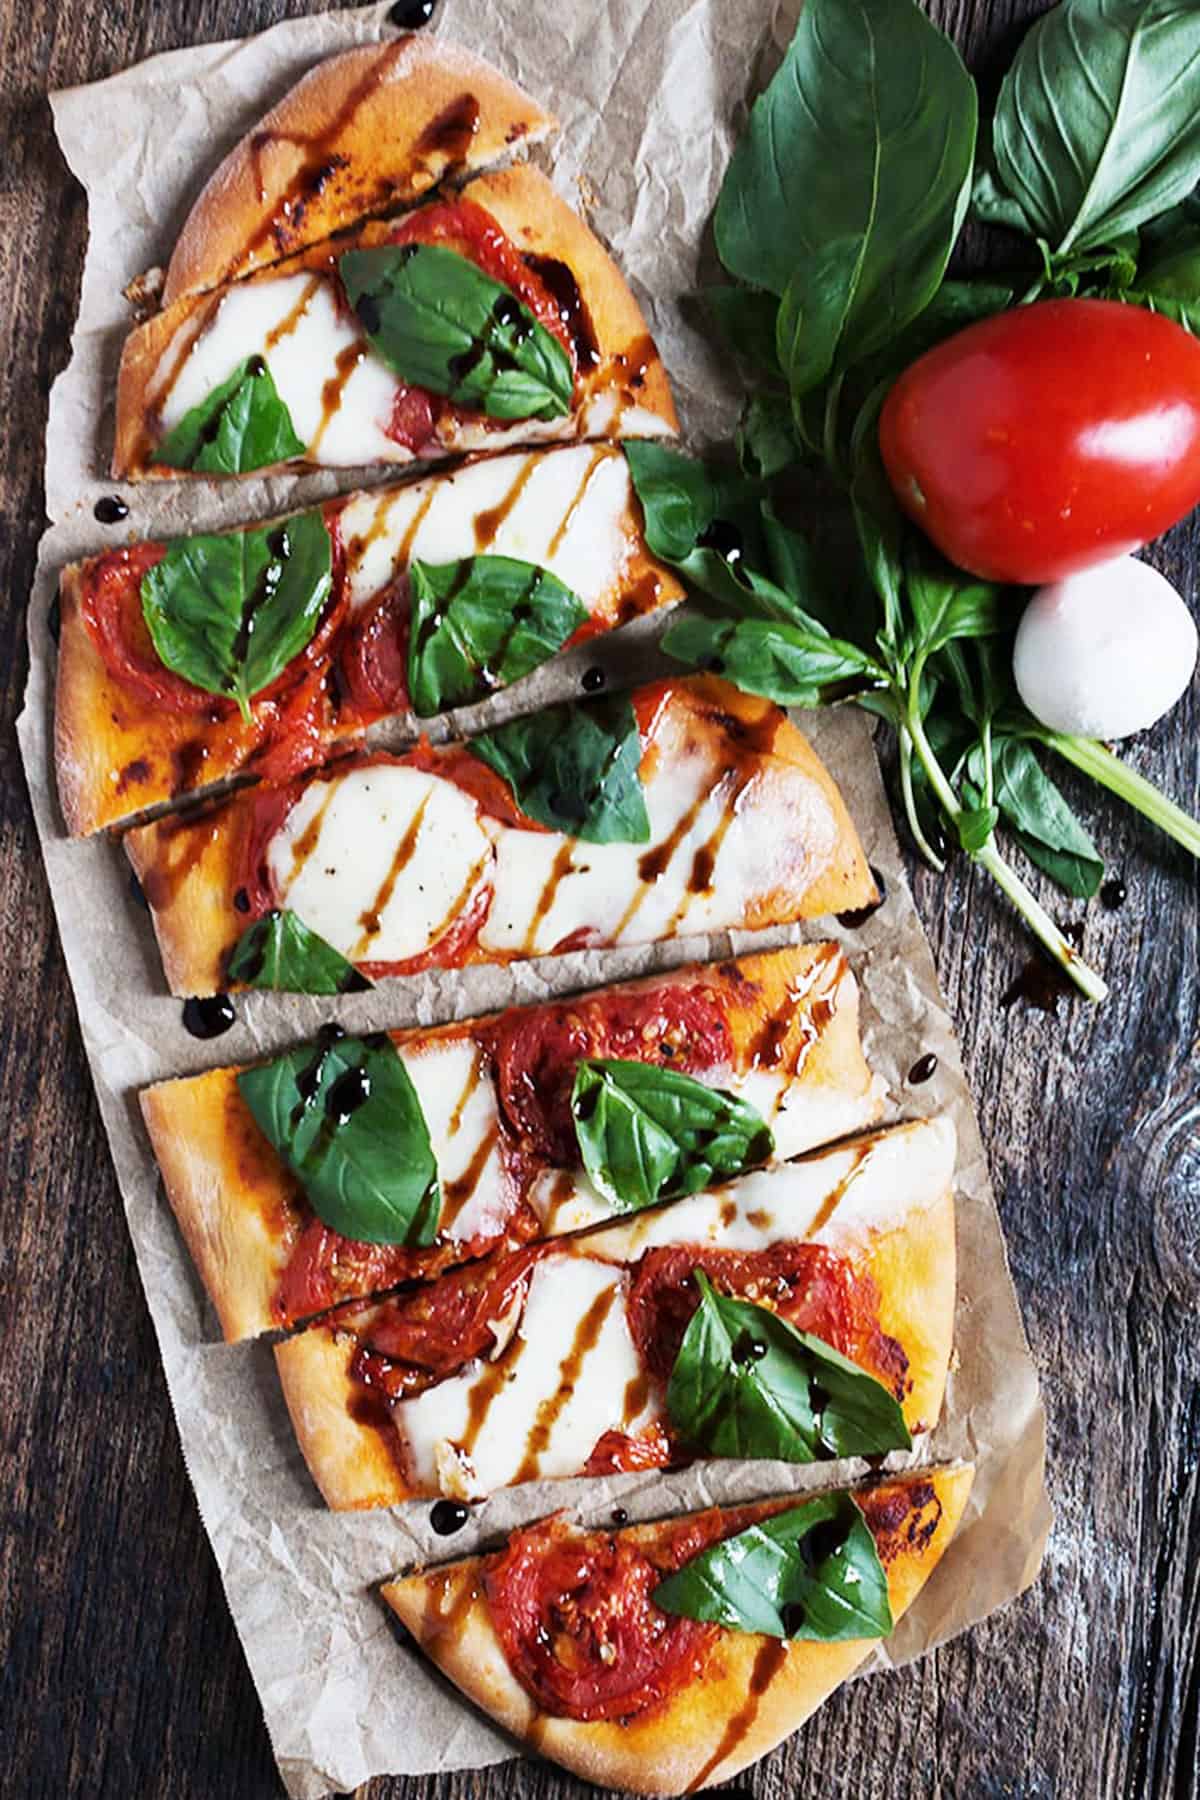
858, 915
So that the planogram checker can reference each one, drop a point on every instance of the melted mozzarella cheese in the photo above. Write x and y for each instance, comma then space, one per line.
380, 862
751, 835
909, 1167
458, 1098
564, 510
560, 1385
338, 410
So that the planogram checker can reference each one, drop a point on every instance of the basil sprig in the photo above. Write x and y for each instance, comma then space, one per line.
647, 1134
345, 1117
747, 1384
241, 425
574, 768
810, 1573
864, 144
443, 325
228, 612
281, 953
481, 623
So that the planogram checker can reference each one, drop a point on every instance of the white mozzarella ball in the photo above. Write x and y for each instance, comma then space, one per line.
1105, 652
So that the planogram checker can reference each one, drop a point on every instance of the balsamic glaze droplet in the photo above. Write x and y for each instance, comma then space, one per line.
241, 901
448, 1516
619, 1516
54, 619
858, 915
593, 680
922, 1069
1113, 894
210, 1017
370, 317
331, 1034
376, 1040
410, 15
350, 1091
793, 1618
747, 1348
138, 892
110, 509
724, 538
354, 983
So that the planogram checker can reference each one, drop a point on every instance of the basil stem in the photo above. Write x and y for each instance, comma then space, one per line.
1096, 760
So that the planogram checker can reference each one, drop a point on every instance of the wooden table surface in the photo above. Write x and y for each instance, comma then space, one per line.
122, 1675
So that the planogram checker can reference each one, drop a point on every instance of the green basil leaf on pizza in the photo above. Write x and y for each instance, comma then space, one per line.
574, 769
279, 952
445, 326
647, 1134
228, 611
480, 624
747, 1384
241, 425
345, 1117
810, 1573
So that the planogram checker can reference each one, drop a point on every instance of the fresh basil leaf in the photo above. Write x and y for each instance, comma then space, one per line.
814, 311
445, 326
1170, 283
1043, 823
679, 497
345, 1117
280, 952
779, 661
981, 673
945, 606
976, 827
867, 132
747, 1384
810, 1573
574, 768
229, 611
989, 202
877, 518
648, 1134
481, 623
745, 318
241, 425
1096, 127
766, 440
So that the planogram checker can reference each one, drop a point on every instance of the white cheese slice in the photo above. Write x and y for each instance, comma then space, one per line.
756, 833
381, 861
458, 1097
339, 411
563, 1381
561, 509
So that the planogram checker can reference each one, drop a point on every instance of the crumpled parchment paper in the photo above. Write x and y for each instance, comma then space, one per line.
649, 93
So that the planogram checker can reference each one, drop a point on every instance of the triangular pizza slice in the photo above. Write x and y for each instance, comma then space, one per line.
664, 1658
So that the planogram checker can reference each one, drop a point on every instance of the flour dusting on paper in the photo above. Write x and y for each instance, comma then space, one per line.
649, 93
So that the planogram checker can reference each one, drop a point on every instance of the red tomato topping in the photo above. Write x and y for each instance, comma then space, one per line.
421, 1337
675, 1026
1043, 440
466, 228
579, 1626
325, 1268
619, 1454
374, 654
450, 951
111, 609
809, 1286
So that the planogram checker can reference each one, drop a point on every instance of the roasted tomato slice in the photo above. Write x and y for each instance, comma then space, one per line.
579, 1626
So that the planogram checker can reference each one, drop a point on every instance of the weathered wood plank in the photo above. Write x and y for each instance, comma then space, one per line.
121, 1672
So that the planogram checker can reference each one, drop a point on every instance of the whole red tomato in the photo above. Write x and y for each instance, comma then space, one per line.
1048, 438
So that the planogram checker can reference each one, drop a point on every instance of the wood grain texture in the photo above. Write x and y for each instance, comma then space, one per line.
121, 1672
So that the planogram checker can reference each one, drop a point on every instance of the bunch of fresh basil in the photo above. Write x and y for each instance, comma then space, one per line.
837, 218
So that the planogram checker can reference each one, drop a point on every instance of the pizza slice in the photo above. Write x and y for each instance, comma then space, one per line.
268, 1227
486, 318
421, 596
663, 1658
362, 133
683, 807
802, 1311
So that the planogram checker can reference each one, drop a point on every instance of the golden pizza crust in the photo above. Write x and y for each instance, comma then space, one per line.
348, 1454
240, 1210
718, 1723
361, 133
190, 870
625, 394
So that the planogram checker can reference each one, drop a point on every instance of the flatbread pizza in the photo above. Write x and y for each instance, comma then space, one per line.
578, 1642
561, 1358
780, 1031
684, 806
419, 597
